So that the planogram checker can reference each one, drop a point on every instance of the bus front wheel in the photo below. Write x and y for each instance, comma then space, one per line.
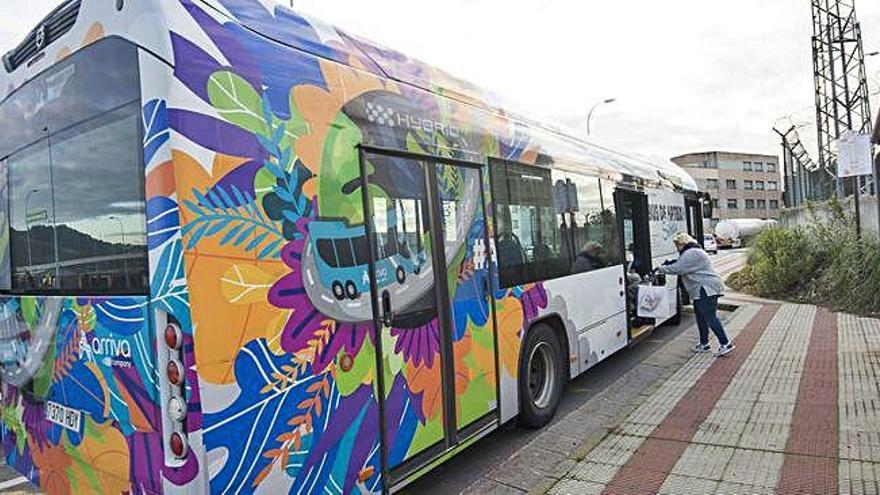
401, 275
540, 377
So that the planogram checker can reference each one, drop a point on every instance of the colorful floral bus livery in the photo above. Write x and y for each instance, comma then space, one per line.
310, 301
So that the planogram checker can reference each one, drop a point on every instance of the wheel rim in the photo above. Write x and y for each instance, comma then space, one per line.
542, 375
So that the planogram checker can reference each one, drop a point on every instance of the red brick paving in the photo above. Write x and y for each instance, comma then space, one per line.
648, 468
811, 452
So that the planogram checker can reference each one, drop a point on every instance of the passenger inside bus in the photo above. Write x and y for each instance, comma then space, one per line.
589, 258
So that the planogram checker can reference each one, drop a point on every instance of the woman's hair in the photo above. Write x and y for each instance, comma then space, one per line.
592, 247
683, 239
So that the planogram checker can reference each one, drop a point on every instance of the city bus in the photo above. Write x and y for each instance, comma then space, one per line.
189, 186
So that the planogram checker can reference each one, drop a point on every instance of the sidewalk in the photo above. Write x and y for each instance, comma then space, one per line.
795, 409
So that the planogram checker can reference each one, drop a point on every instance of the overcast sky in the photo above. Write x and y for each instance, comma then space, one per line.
688, 75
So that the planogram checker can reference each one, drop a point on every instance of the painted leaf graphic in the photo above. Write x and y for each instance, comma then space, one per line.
245, 284
510, 317
156, 130
237, 101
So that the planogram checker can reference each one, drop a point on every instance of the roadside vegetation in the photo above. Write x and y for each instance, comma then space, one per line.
822, 263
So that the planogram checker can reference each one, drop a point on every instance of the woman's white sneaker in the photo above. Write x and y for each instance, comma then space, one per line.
725, 349
702, 348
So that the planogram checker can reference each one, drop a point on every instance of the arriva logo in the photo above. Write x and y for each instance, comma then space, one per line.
111, 352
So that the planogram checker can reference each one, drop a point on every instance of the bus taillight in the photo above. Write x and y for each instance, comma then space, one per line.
173, 388
174, 375
176, 409
173, 336
178, 445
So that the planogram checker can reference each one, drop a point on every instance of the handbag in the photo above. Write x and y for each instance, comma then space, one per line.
653, 302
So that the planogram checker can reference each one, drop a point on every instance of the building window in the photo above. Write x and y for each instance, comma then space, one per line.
711, 183
731, 184
771, 167
715, 204
750, 204
709, 164
747, 166
759, 167
762, 204
759, 185
772, 185
747, 185
731, 204
774, 204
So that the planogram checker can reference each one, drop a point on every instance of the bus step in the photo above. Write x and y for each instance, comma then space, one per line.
638, 333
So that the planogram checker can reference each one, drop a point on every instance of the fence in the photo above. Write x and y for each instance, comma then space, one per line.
800, 215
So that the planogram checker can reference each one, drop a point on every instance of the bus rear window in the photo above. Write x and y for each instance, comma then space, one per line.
75, 191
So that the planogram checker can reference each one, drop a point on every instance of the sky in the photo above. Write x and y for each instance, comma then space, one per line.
688, 75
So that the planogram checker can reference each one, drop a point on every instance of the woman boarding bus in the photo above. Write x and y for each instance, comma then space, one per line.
245, 251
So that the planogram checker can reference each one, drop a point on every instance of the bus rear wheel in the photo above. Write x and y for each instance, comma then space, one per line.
401, 275
540, 377
338, 291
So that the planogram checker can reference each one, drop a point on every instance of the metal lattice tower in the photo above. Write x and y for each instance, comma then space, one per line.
841, 83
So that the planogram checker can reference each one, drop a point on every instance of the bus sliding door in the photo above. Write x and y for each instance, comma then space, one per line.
430, 289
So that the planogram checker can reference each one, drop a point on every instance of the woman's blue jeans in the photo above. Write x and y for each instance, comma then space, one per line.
706, 310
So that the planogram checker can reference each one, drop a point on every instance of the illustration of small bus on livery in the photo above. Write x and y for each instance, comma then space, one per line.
342, 256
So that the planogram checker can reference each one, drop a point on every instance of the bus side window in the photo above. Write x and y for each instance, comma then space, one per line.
327, 253
344, 252
592, 224
361, 250
527, 239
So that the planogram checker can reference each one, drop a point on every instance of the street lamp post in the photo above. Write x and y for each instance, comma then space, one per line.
124, 258
590, 115
27, 226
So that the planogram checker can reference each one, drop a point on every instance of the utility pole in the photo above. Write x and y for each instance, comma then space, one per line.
841, 87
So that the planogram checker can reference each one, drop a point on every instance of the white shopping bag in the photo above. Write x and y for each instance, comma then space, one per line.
653, 302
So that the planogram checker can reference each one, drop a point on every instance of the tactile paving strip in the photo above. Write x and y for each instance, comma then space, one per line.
649, 467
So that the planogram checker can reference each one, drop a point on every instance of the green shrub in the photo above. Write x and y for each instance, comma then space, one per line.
824, 263
781, 262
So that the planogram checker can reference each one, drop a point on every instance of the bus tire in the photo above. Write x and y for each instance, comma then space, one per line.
338, 291
540, 376
400, 274
350, 290
676, 319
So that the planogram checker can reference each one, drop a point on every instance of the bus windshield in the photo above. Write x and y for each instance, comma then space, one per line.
71, 177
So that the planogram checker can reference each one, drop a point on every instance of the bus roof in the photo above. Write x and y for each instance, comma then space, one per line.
343, 47
320, 39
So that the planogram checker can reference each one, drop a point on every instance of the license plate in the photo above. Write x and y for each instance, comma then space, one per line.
63, 416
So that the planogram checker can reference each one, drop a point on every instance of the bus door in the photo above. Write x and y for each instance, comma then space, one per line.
694, 214
430, 273
635, 232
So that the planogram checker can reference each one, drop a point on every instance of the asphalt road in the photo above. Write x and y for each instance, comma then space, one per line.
470, 465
